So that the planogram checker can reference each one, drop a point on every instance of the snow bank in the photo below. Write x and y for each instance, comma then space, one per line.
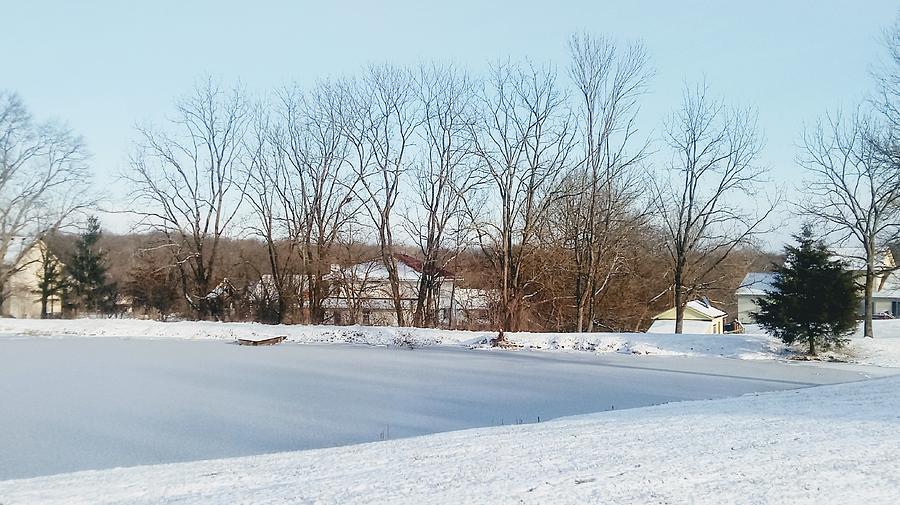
884, 350
734, 346
829, 444
229, 331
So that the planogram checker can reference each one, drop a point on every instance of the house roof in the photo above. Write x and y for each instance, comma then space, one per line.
705, 309
418, 266
698, 307
408, 269
17, 247
756, 284
374, 270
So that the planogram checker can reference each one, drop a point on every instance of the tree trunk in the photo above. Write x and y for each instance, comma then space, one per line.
282, 306
868, 305
317, 296
679, 300
590, 312
421, 296
395, 291
579, 300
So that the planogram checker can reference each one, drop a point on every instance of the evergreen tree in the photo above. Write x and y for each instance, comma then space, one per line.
814, 299
52, 281
87, 269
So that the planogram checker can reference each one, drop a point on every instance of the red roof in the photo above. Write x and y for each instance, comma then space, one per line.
417, 265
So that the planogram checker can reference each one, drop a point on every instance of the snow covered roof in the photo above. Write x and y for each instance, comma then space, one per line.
756, 284
701, 307
375, 271
705, 309
408, 269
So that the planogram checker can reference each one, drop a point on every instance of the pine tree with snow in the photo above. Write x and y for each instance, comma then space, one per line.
91, 290
813, 299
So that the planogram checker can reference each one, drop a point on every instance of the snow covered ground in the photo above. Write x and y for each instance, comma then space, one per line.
74, 403
884, 350
155, 392
829, 444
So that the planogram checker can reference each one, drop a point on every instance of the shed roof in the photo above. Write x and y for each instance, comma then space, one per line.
705, 309
698, 307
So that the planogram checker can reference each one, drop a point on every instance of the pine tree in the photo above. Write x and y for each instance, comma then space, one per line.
52, 281
814, 299
91, 290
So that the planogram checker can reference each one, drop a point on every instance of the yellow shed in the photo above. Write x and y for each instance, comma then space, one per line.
699, 317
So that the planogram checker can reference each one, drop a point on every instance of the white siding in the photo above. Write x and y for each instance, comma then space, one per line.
746, 305
689, 326
21, 301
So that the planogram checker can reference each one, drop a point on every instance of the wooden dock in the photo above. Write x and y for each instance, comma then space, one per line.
261, 340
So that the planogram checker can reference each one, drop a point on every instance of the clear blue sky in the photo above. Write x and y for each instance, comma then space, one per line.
102, 66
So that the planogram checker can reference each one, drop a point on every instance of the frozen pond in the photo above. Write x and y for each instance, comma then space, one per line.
79, 403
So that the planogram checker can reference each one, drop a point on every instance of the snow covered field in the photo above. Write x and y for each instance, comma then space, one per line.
73, 403
831, 444
884, 350
179, 392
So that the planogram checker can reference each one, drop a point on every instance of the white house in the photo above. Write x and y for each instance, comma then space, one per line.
469, 307
361, 294
752, 288
25, 258
886, 297
699, 317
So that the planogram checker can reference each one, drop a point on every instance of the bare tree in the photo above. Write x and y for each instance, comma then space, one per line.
714, 155
271, 205
320, 183
609, 80
523, 139
380, 130
886, 100
854, 190
440, 180
44, 181
354, 288
189, 183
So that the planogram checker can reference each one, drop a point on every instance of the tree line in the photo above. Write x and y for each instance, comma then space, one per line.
542, 172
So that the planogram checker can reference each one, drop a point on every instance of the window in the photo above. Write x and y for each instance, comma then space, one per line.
367, 317
895, 308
